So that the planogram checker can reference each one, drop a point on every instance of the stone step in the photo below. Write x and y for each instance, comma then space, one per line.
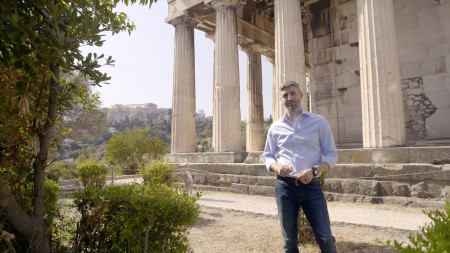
346, 156
246, 184
227, 168
391, 171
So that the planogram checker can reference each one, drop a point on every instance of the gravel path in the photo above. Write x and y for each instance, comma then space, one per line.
378, 215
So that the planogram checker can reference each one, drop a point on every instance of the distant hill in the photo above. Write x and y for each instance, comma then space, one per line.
149, 113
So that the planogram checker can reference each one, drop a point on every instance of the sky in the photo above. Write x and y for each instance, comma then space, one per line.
143, 71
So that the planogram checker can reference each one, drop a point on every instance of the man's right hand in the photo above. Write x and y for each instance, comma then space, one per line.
282, 170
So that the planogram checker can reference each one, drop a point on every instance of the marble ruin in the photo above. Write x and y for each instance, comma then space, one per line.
379, 69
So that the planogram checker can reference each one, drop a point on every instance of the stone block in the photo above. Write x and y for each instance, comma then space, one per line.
347, 78
261, 190
353, 186
438, 82
321, 56
428, 154
433, 66
240, 188
347, 51
406, 22
199, 178
213, 179
346, 8
254, 170
410, 69
249, 180
266, 181
224, 157
321, 70
437, 125
394, 189
254, 157
351, 171
225, 168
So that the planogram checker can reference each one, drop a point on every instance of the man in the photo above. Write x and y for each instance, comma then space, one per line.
299, 147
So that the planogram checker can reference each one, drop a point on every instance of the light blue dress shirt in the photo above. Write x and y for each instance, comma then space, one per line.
302, 144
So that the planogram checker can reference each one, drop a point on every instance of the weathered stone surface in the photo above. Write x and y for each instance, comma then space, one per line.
266, 181
199, 178
241, 188
254, 157
247, 180
261, 190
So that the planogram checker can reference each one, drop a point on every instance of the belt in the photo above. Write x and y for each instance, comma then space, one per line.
294, 180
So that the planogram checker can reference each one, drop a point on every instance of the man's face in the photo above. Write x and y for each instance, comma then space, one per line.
291, 97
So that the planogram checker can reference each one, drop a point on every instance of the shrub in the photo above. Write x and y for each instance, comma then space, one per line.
157, 171
435, 236
91, 173
60, 170
134, 218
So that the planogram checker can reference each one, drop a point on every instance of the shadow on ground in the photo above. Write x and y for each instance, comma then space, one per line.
363, 248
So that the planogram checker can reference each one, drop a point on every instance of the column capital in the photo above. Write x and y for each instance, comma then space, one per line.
247, 49
183, 19
227, 3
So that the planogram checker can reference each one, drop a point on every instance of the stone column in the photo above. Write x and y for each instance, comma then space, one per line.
183, 99
381, 93
226, 112
276, 113
289, 48
255, 109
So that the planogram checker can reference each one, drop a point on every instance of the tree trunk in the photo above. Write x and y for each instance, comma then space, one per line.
34, 228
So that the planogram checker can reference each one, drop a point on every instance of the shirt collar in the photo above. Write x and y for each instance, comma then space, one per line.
302, 114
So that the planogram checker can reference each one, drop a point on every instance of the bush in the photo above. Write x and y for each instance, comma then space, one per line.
158, 172
435, 236
134, 218
91, 173
61, 170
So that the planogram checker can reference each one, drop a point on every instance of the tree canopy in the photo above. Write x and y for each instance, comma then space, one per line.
132, 149
40, 40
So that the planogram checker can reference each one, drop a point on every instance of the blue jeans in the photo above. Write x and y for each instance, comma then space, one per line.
310, 197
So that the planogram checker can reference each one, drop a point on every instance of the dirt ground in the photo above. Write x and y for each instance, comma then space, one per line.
219, 230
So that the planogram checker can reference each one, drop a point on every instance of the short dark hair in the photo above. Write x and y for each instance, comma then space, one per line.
288, 84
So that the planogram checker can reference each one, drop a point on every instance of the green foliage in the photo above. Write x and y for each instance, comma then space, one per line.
91, 173
126, 218
158, 172
40, 40
133, 148
61, 170
435, 236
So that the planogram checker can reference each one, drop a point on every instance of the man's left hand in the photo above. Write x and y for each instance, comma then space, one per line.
305, 176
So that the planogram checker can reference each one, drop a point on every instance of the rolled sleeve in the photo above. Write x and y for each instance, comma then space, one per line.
327, 143
269, 151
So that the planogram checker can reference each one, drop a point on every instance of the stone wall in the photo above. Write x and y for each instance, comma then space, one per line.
423, 38
418, 108
334, 64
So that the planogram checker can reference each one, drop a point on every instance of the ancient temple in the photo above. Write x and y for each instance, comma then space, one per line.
379, 69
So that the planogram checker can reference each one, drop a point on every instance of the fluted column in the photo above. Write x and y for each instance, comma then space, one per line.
381, 93
226, 111
275, 91
289, 48
183, 98
255, 110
